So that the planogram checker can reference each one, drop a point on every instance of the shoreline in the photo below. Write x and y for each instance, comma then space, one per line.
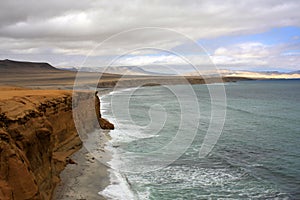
25, 97
88, 177
83, 180
102, 180
70, 186
119, 187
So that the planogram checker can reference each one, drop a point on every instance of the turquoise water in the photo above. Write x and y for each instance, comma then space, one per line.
256, 157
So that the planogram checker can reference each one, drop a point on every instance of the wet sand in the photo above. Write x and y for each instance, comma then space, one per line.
89, 176
83, 180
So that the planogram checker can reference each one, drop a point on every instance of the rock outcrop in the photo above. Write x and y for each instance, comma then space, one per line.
104, 123
37, 136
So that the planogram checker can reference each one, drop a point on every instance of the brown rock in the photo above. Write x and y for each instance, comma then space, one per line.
97, 105
5, 191
37, 134
105, 124
71, 161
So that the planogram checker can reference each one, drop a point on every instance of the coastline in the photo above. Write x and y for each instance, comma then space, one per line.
88, 177
49, 153
71, 187
119, 187
40, 110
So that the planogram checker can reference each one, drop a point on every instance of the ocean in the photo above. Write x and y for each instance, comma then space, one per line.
257, 155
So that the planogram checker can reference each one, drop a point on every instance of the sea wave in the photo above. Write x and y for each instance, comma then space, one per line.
120, 187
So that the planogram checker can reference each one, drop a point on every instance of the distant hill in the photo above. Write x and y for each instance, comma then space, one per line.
248, 74
25, 67
122, 70
73, 69
295, 72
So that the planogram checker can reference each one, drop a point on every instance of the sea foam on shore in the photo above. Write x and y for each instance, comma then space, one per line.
119, 187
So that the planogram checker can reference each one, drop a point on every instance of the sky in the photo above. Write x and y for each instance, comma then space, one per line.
239, 35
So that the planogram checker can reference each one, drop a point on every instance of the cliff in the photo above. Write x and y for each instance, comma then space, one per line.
37, 134
104, 123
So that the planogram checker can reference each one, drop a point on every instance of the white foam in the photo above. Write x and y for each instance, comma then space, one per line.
120, 91
119, 187
105, 106
128, 135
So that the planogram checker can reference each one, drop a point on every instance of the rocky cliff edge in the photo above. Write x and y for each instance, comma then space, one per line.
37, 134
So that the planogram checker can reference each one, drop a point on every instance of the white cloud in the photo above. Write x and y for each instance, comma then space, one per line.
244, 50
68, 27
256, 54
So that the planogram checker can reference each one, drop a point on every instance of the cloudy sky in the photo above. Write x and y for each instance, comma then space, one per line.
242, 35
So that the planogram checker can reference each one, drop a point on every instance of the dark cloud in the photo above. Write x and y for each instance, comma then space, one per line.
14, 11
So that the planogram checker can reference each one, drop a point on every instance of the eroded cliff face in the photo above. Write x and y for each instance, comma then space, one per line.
104, 123
37, 134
